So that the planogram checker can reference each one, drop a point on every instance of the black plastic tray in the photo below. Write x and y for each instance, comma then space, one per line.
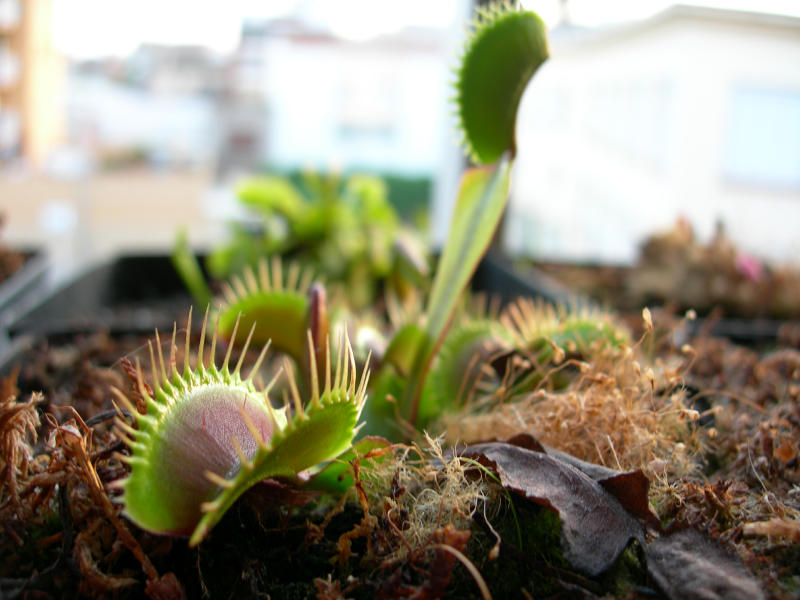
141, 293
753, 332
129, 294
19, 291
137, 294
496, 275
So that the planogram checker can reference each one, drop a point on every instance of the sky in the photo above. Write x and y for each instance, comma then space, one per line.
117, 27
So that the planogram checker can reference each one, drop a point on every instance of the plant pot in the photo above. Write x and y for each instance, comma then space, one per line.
128, 294
20, 289
137, 294
608, 286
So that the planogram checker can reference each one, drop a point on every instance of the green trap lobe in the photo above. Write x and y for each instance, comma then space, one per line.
197, 436
503, 55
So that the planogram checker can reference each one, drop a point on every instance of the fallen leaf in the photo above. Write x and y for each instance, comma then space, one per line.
446, 543
166, 587
630, 488
596, 472
688, 566
595, 528
527, 441
443, 563
631, 491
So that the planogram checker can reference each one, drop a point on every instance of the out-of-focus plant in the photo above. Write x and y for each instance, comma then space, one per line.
504, 50
345, 229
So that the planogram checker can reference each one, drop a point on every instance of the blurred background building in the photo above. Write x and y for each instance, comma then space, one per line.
31, 77
327, 100
112, 136
694, 111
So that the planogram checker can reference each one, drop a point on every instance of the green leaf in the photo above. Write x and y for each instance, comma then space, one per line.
279, 316
479, 206
271, 195
336, 477
185, 263
379, 417
403, 348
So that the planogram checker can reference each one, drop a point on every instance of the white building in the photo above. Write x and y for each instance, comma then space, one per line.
374, 104
694, 112
171, 128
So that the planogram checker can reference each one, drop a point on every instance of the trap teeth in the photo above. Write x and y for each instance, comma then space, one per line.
501, 54
209, 435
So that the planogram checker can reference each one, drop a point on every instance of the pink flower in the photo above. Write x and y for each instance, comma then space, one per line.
749, 266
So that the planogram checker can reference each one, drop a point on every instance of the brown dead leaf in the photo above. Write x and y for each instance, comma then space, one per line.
784, 453
166, 587
327, 589
630, 488
595, 527
688, 566
781, 529
447, 547
93, 577
19, 422
441, 567
527, 441
631, 491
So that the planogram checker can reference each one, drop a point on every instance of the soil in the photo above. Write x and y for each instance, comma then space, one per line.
59, 540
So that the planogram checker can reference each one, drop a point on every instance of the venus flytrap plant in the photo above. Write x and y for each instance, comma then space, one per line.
462, 367
544, 335
200, 434
434, 362
548, 329
502, 53
208, 434
344, 228
280, 305
273, 301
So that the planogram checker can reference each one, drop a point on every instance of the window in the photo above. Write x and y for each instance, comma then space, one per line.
762, 137
367, 110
